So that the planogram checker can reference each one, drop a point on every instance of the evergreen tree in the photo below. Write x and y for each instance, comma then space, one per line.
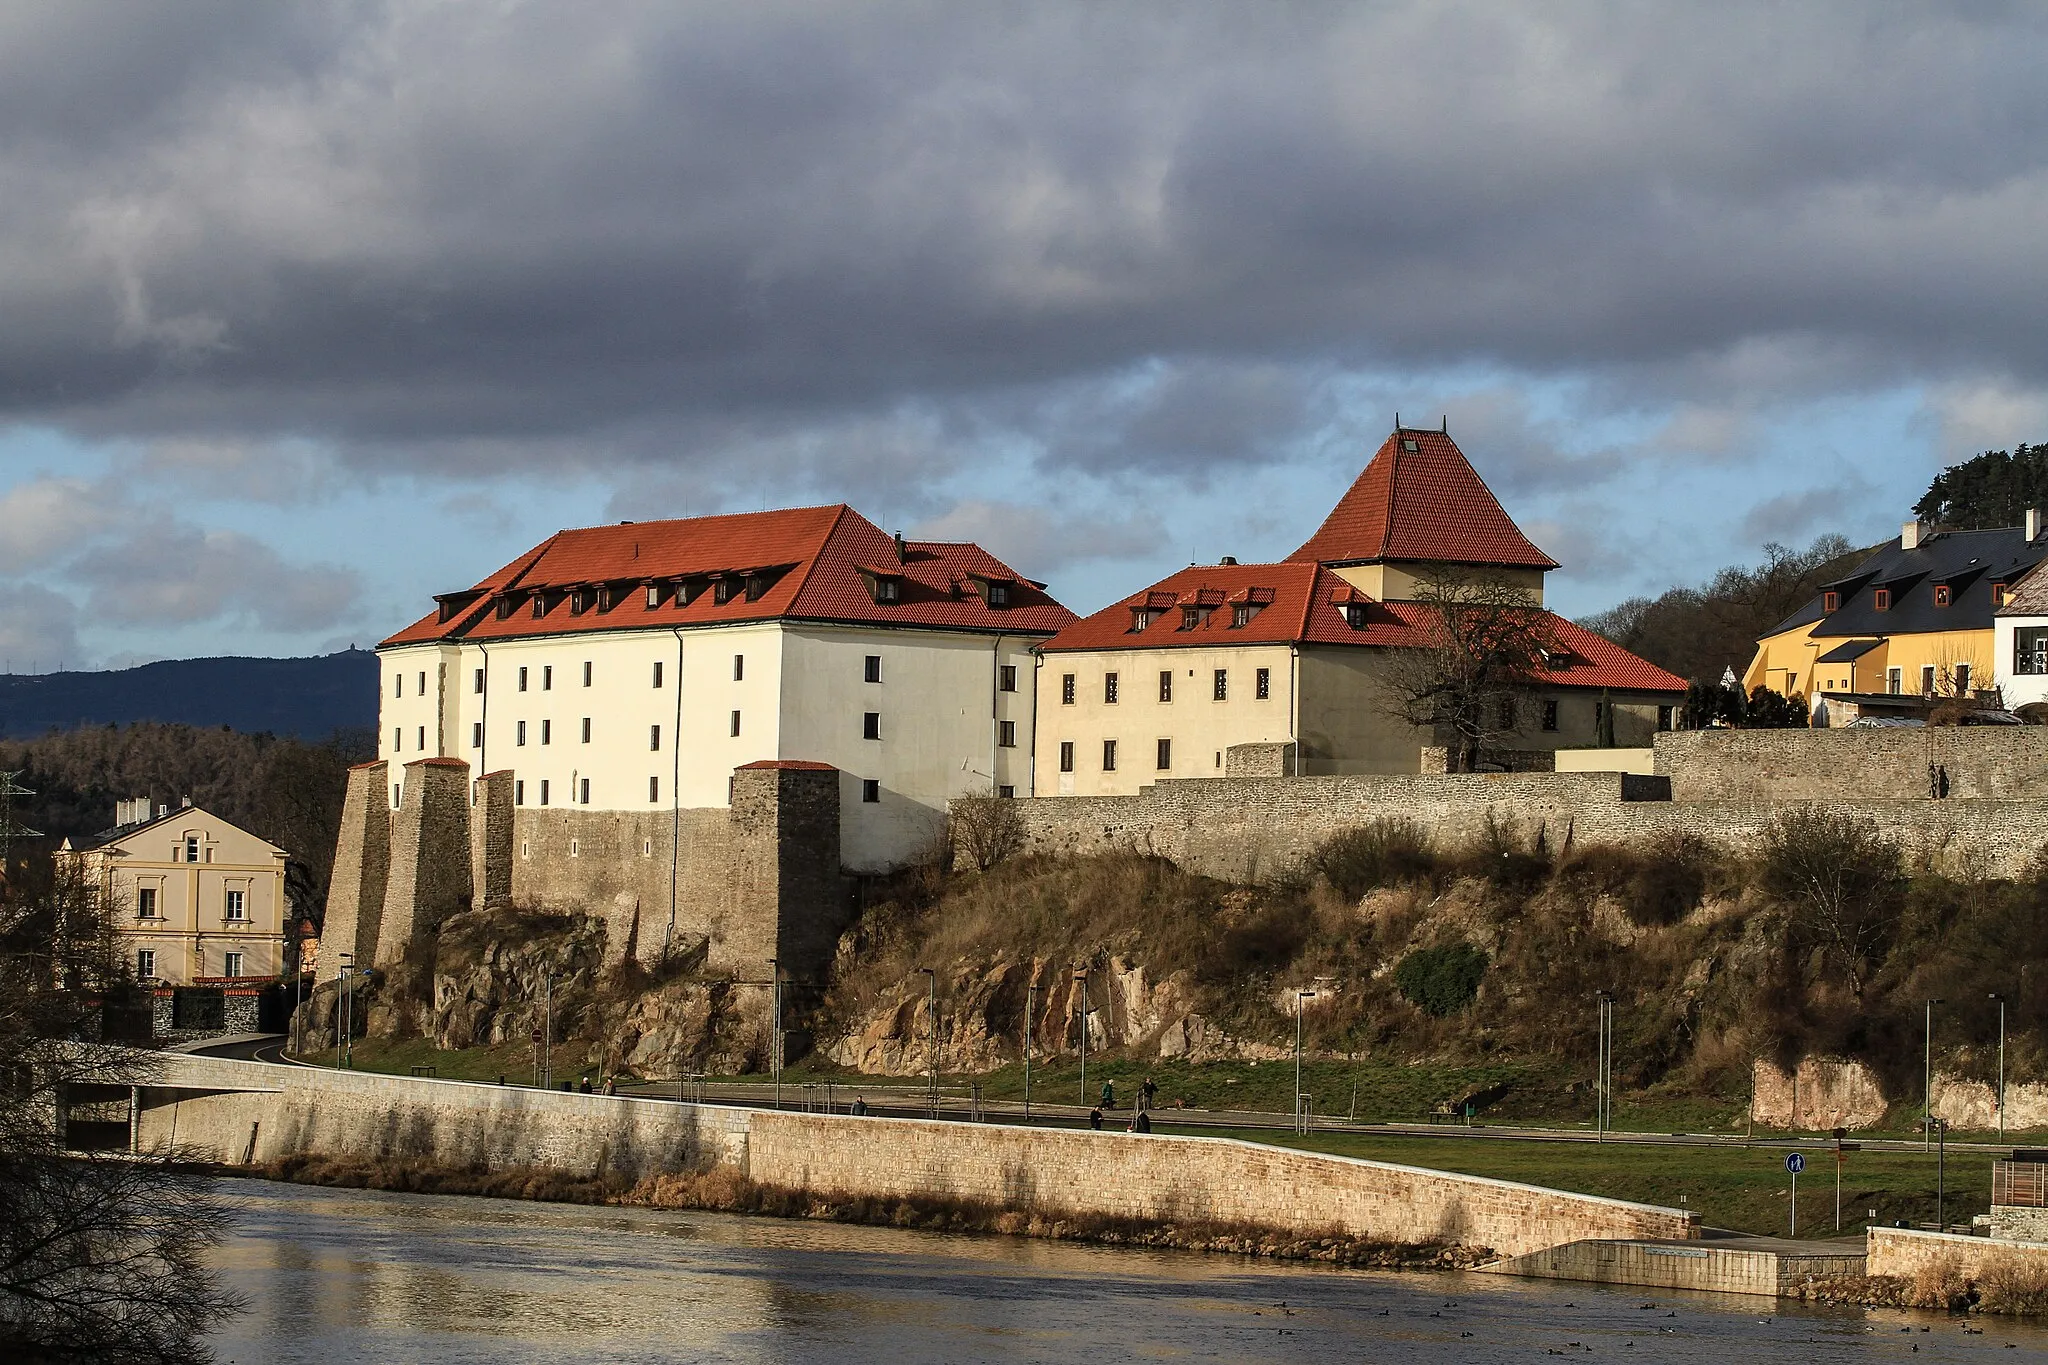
1994, 489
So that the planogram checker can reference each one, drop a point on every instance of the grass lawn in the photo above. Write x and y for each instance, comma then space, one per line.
1746, 1189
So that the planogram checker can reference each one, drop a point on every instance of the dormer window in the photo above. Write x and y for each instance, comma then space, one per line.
1998, 594
1941, 594
580, 600
540, 604
884, 586
653, 595
1241, 615
1354, 615
1190, 617
1881, 599
1140, 619
998, 595
1831, 601
726, 589
888, 590
506, 606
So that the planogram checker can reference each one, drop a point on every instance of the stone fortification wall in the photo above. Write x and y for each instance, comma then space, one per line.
1996, 761
1906, 1252
1257, 831
743, 885
1057, 1172
362, 861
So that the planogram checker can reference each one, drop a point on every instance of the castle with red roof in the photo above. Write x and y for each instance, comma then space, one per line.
1282, 669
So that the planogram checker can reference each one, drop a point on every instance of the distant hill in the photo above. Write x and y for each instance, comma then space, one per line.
308, 698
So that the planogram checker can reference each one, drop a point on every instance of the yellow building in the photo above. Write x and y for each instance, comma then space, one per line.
1912, 620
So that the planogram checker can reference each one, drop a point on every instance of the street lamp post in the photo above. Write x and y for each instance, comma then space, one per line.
1030, 1016
1082, 977
1604, 1066
1300, 996
2001, 1065
775, 1027
344, 999
298, 991
1927, 1091
547, 1030
932, 1086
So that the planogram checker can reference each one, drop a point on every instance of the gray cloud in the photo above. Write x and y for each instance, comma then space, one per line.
163, 571
38, 630
836, 239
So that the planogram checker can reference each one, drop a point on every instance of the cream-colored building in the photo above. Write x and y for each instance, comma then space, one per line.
633, 667
1297, 654
194, 898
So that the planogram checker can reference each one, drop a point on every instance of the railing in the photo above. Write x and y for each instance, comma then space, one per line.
2022, 1184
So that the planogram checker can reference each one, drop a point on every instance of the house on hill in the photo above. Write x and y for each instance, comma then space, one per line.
1278, 669
1910, 624
630, 669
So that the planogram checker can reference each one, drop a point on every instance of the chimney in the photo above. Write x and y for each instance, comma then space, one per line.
184, 802
1912, 533
902, 555
2033, 524
1228, 559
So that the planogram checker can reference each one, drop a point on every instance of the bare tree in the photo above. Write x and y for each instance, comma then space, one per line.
102, 1255
1840, 883
1484, 641
986, 828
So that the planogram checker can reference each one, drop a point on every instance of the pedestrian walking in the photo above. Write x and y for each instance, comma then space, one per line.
860, 1107
1109, 1094
1095, 1119
1147, 1092
611, 1085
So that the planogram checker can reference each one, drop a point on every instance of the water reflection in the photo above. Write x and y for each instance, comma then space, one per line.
336, 1275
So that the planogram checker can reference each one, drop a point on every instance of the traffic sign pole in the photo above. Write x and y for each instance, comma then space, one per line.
1795, 1163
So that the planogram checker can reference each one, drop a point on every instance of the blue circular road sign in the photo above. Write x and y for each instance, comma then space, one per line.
1794, 1162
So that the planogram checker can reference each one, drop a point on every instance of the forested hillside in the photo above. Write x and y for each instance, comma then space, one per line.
1994, 489
311, 698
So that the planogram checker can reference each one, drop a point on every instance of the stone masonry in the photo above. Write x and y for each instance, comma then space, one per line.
362, 863
1981, 761
429, 877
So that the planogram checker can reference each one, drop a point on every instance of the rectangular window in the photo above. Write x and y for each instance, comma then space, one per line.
871, 668
1006, 791
1006, 734
653, 789
522, 677
1262, 685
145, 963
1962, 680
2030, 650
478, 686
739, 668
735, 724
547, 732
1066, 755
397, 796
870, 791
398, 684
476, 734
1663, 718
237, 907
191, 849
1550, 714
547, 678
1109, 688
1006, 678
1166, 684
423, 739
234, 964
543, 791
1165, 755
518, 793
1066, 689
1927, 680
1831, 601
397, 738
657, 672
1222, 692
1109, 755
1894, 680
145, 903
423, 685
1882, 599
871, 725
654, 738
519, 733
586, 729
653, 595
583, 791
1941, 594
586, 672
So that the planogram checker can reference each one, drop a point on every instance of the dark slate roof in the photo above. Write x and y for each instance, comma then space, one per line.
1969, 562
1854, 649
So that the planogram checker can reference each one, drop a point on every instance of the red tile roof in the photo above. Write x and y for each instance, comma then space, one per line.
1308, 607
1426, 504
807, 563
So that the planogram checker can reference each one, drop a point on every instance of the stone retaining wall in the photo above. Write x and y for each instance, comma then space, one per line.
1905, 1252
1998, 761
1056, 1172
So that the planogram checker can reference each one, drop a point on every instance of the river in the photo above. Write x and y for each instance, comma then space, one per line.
346, 1275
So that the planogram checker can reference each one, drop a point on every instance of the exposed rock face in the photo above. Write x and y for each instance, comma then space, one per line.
1974, 1104
492, 975
1819, 1094
981, 1019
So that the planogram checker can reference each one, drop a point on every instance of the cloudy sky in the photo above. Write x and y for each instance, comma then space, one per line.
308, 311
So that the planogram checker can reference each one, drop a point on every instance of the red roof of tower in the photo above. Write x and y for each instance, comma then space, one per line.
1421, 499
803, 563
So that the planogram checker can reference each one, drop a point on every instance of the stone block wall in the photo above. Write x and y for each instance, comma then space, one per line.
286, 1110
1259, 760
429, 877
362, 862
1995, 761
490, 840
1906, 1252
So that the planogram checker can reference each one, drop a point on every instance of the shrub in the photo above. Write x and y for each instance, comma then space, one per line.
1500, 858
1840, 883
1259, 945
1382, 852
986, 828
1669, 879
1442, 980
